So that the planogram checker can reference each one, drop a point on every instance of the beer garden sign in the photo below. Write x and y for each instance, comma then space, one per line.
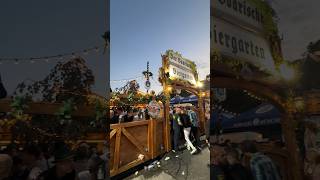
244, 34
179, 69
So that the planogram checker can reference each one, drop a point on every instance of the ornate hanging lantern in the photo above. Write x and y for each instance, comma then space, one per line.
147, 74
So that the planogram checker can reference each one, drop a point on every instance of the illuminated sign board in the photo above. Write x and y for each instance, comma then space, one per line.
181, 68
240, 11
239, 43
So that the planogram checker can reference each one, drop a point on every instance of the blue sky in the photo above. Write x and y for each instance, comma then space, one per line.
42, 28
143, 29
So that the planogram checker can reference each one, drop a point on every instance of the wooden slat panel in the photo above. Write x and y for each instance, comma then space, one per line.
150, 138
133, 145
112, 133
135, 141
129, 124
130, 165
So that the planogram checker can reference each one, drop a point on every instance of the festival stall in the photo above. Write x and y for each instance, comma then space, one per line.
133, 143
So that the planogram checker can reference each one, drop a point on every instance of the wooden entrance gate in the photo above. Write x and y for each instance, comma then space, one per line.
287, 110
135, 142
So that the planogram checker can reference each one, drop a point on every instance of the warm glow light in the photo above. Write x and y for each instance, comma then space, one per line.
203, 94
169, 88
287, 72
299, 103
199, 84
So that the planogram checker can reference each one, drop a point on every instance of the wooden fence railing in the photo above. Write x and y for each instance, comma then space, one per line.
46, 108
134, 143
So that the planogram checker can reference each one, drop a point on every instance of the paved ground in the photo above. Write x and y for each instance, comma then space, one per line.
180, 166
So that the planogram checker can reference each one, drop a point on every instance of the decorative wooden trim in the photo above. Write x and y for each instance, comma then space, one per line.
113, 132
129, 124
135, 142
119, 130
127, 167
116, 155
113, 172
150, 138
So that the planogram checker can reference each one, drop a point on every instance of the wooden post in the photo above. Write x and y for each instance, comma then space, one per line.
201, 112
166, 122
291, 143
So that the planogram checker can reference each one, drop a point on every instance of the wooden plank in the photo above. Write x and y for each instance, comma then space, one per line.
116, 155
113, 172
129, 124
112, 133
135, 142
150, 139
129, 166
48, 108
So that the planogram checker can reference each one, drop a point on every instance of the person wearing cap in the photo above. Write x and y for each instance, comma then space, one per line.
64, 167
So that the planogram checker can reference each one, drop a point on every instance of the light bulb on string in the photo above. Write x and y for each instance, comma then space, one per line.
73, 55
85, 52
16, 61
46, 59
97, 49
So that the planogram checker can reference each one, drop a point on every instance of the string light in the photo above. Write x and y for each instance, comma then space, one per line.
126, 80
49, 58
85, 52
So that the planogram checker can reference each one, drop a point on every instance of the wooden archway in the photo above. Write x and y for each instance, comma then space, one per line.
285, 108
196, 92
178, 85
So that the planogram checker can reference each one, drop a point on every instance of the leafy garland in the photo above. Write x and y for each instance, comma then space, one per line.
64, 113
235, 64
132, 99
18, 106
100, 118
271, 28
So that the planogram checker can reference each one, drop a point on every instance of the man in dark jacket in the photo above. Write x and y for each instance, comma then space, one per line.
186, 123
3, 92
176, 126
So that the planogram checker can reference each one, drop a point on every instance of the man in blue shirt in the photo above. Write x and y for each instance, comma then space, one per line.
262, 167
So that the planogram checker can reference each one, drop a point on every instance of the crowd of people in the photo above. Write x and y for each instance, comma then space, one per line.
243, 161
185, 119
122, 115
52, 161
